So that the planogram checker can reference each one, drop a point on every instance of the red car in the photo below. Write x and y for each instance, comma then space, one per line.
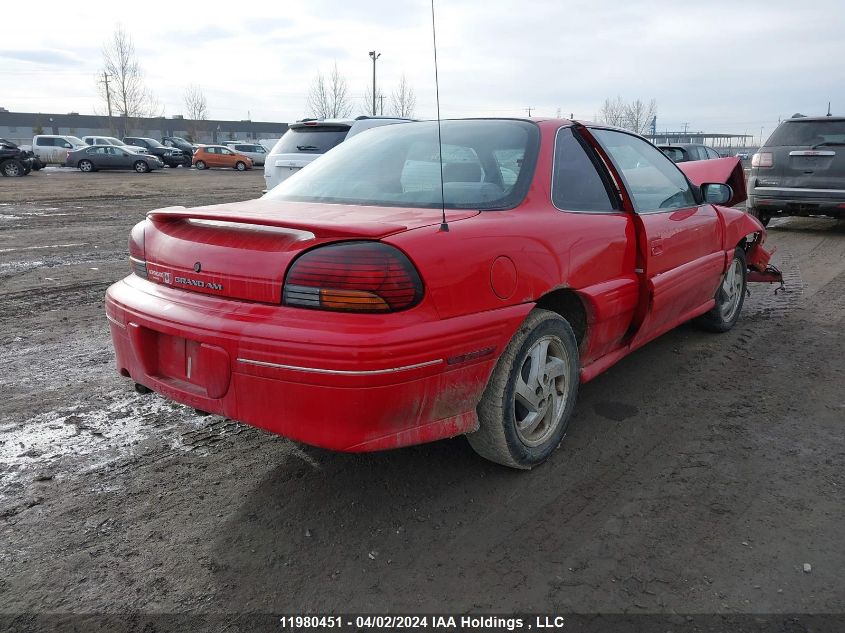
367, 303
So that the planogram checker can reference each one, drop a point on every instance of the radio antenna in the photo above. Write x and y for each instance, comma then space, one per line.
444, 226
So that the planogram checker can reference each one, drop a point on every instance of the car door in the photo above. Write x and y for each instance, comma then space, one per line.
211, 158
120, 158
680, 259
225, 157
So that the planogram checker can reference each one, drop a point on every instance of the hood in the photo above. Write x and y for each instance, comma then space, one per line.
726, 171
242, 250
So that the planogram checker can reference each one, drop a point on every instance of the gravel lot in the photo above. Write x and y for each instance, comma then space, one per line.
699, 475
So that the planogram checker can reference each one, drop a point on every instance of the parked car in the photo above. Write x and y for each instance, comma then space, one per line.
170, 156
307, 140
800, 170
208, 156
180, 143
356, 309
684, 152
96, 157
53, 148
255, 151
14, 161
111, 140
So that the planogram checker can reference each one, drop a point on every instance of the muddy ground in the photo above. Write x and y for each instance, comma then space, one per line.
699, 475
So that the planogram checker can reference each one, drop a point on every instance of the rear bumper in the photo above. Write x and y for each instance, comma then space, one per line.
337, 381
795, 201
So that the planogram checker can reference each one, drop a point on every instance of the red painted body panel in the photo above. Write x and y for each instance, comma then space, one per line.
221, 341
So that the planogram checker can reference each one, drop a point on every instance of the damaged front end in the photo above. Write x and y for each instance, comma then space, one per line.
757, 259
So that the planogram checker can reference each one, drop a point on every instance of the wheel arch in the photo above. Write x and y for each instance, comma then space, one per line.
570, 305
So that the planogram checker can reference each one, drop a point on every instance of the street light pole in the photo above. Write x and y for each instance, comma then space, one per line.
374, 56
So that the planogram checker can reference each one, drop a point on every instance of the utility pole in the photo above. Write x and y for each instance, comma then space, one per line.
381, 104
528, 109
374, 56
108, 99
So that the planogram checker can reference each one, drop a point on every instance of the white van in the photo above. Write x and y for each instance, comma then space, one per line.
307, 140
53, 148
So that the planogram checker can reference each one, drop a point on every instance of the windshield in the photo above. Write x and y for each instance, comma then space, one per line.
75, 141
152, 142
808, 133
311, 140
113, 141
487, 164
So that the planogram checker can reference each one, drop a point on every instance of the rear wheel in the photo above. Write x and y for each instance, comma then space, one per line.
240, 165
200, 164
86, 166
730, 296
141, 167
528, 402
13, 168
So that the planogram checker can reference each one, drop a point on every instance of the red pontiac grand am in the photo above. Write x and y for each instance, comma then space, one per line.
342, 311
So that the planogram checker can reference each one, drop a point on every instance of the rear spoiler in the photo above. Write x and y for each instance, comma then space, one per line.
727, 171
261, 213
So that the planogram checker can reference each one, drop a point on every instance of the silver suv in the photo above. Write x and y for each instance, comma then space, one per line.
307, 140
800, 170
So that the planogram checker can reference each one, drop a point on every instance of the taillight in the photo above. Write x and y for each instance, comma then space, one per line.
137, 257
762, 159
353, 277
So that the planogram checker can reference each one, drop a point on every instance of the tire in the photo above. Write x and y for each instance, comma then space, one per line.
509, 431
86, 165
13, 168
200, 164
141, 167
730, 296
760, 215
240, 166
26, 170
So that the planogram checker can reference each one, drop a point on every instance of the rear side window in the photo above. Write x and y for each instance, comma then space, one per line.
311, 140
576, 184
808, 133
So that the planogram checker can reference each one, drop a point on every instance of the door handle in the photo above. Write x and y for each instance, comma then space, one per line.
656, 245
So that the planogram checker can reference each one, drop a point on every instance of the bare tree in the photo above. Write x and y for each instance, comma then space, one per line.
125, 89
638, 115
403, 101
613, 112
196, 109
327, 98
635, 116
367, 98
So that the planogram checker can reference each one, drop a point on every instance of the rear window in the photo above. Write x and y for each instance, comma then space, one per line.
487, 164
808, 133
311, 140
675, 153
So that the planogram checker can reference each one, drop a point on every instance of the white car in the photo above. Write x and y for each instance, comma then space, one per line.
53, 148
255, 151
307, 140
110, 140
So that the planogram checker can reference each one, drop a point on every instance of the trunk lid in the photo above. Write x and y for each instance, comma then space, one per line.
242, 250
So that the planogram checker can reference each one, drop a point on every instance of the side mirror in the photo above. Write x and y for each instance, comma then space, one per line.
716, 193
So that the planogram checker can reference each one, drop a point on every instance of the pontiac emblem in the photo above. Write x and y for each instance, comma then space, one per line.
197, 267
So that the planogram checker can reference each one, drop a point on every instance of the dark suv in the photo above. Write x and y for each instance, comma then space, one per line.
170, 156
800, 170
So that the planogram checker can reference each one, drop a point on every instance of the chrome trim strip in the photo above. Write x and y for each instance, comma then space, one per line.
340, 372
811, 152
799, 190
115, 321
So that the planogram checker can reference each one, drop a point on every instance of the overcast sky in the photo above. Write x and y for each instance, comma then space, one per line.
724, 66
